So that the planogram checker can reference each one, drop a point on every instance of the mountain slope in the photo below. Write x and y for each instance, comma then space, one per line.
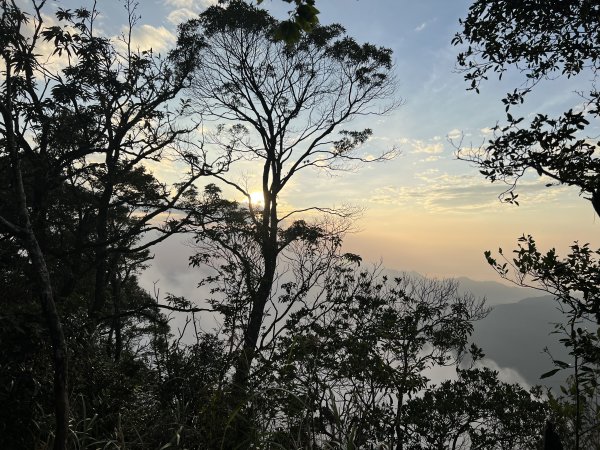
494, 292
515, 335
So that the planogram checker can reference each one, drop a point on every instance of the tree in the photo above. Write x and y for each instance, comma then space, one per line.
127, 102
303, 18
478, 411
281, 104
19, 75
356, 362
57, 120
573, 281
544, 40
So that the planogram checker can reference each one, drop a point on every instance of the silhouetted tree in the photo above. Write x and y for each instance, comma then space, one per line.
79, 119
355, 363
574, 282
19, 73
477, 411
281, 105
543, 40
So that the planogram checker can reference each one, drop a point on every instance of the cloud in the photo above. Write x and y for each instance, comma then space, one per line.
146, 37
442, 192
505, 374
169, 272
421, 27
420, 147
183, 3
432, 158
438, 374
425, 24
426, 175
186, 9
455, 134
181, 15
432, 146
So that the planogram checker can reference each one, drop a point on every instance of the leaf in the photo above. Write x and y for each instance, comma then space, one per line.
353, 258
561, 364
549, 374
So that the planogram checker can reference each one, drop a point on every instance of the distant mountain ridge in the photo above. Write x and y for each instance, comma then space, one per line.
514, 335
494, 292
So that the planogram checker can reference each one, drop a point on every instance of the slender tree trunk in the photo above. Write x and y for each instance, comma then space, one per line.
577, 381
41, 277
116, 294
57, 339
401, 390
397, 427
267, 236
240, 434
102, 221
252, 332
101, 263
44, 287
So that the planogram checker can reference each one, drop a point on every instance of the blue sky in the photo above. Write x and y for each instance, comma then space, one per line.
423, 211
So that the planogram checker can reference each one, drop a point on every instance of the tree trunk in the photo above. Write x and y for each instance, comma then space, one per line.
41, 278
241, 426
252, 332
259, 299
57, 339
116, 294
267, 236
102, 221
101, 263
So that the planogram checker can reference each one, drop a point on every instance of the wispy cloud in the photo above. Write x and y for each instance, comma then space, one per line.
431, 148
505, 374
190, 4
424, 25
421, 27
186, 9
146, 37
455, 134
441, 192
181, 15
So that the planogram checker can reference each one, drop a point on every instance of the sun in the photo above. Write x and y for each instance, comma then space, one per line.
257, 198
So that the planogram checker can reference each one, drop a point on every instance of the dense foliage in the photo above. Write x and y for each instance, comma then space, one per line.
544, 41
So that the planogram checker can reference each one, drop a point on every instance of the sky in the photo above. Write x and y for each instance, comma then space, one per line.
425, 210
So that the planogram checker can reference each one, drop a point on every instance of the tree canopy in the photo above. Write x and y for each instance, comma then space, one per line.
544, 41
305, 17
